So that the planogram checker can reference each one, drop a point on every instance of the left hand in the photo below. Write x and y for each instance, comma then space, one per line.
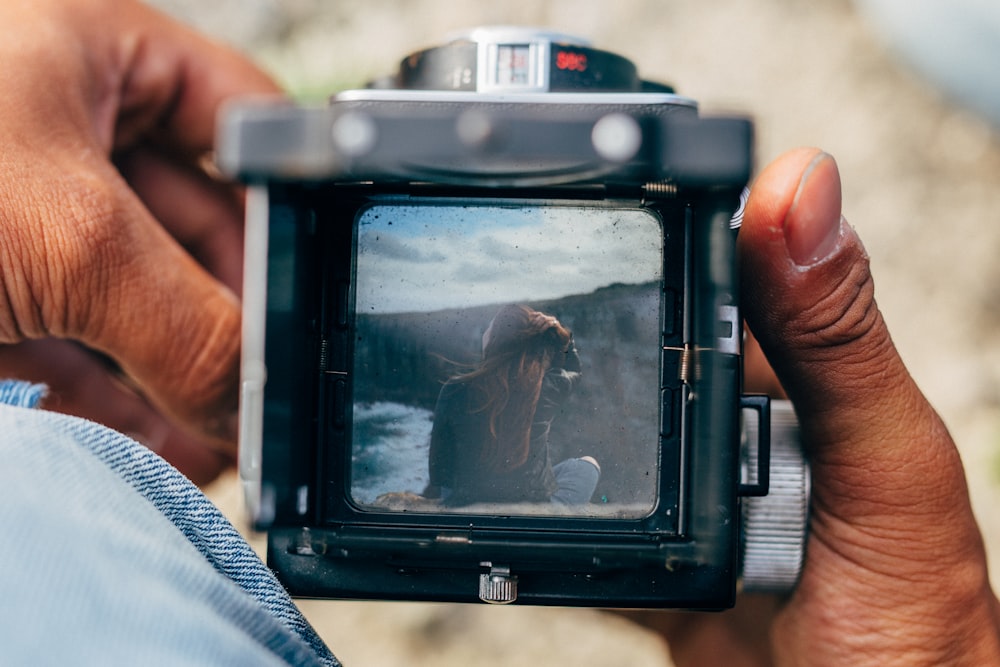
114, 237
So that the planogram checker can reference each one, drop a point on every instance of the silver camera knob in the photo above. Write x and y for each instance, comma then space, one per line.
498, 586
776, 526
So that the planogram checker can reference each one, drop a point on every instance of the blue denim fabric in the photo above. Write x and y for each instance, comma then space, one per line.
109, 556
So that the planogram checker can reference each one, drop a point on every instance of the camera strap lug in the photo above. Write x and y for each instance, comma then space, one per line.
758, 454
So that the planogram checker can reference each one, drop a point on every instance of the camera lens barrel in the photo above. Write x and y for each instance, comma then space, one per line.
775, 526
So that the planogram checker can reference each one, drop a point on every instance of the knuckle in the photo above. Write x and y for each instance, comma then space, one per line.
57, 240
831, 343
844, 313
81, 242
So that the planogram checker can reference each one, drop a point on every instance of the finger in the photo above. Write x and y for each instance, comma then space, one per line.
177, 79
735, 638
204, 215
81, 384
121, 285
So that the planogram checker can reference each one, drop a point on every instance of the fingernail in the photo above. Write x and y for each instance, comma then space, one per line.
813, 224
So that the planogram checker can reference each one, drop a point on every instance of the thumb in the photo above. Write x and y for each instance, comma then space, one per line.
891, 519
809, 299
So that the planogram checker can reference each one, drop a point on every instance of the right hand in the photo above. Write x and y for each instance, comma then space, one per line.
895, 571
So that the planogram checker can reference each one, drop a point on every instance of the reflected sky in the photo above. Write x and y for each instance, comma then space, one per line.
425, 258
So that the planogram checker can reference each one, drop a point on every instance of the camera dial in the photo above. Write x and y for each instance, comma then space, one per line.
508, 59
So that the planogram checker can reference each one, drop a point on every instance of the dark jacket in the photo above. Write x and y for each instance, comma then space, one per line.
459, 433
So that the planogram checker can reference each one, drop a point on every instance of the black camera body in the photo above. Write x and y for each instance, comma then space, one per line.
391, 447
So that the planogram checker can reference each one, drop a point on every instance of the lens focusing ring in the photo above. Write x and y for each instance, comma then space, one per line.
775, 526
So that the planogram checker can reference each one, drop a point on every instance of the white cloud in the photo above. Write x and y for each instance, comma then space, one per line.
423, 258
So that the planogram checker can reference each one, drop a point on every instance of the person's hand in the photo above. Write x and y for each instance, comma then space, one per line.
542, 321
114, 239
895, 571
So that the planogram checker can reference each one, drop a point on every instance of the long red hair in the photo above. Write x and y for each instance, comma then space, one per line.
518, 349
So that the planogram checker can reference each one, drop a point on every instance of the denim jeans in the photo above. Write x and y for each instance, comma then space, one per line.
110, 556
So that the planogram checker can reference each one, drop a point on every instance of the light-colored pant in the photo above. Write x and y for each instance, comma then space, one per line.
110, 556
577, 479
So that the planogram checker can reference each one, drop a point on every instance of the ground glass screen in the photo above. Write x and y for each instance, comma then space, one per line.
507, 360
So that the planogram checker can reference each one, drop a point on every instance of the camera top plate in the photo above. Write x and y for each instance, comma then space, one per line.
512, 141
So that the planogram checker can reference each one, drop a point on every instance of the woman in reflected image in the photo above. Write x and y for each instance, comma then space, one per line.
490, 439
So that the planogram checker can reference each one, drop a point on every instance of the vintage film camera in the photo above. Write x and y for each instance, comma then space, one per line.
387, 448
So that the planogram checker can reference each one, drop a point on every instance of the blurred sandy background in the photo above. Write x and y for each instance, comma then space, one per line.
921, 184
